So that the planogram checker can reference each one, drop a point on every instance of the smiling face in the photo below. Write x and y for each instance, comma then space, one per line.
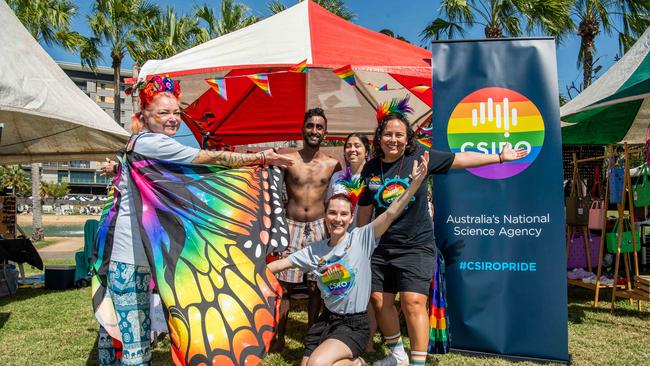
354, 150
393, 140
338, 216
163, 115
314, 131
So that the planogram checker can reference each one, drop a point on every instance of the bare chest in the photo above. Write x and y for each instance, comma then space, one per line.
314, 173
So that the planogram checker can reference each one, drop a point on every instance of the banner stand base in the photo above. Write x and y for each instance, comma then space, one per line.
510, 357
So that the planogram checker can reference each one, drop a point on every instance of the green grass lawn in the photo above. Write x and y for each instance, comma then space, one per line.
41, 327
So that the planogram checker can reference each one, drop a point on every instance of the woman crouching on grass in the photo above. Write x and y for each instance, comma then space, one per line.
342, 264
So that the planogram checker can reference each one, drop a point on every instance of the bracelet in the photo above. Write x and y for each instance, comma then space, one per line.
500, 159
115, 169
263, 158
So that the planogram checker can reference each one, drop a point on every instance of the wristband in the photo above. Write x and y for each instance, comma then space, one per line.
500, 159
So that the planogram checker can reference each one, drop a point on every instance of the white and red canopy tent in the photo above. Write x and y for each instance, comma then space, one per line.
272, 46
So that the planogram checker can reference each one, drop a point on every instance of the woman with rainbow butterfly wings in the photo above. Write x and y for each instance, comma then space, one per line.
202, 229
406, 258
342, 264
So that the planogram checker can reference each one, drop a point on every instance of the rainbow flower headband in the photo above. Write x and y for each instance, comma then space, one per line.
149, 89
395, 106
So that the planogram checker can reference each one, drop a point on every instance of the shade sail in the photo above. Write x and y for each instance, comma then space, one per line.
305, 31
615, 108
46, 116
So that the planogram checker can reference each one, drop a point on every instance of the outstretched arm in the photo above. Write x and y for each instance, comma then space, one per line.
471, 159
280, 265
236, 160
383, 221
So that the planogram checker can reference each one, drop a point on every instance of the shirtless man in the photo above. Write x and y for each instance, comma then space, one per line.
307, 181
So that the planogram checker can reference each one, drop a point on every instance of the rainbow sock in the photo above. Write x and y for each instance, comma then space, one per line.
418, 358
396, 346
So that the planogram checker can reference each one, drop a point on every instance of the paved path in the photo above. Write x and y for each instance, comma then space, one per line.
64, 248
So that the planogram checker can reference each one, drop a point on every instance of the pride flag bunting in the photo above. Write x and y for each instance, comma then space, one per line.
379, 88
219, 86
420, 88
346, 74
301, 67
262, 81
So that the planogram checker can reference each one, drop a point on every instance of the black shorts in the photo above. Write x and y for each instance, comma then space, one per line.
397, 270
351, 329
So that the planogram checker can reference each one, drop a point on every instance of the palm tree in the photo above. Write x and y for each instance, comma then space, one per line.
233, 16
163, 36
13, 176
498, 18
113, 23
49, 21
336, 7
590, 17
54, 189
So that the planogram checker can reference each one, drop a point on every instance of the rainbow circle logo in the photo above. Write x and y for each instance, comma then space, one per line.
337, 280
489, 118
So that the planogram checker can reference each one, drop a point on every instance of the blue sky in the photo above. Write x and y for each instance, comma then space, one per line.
407, 19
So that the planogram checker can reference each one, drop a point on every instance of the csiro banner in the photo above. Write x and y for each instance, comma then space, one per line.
501, 227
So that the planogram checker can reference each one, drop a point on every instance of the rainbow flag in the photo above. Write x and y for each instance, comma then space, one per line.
346, 74
262, 81
301, 67
420, 88
379, 88
439, 332
219, 86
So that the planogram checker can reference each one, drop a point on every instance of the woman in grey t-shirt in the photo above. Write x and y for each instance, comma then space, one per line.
342, 264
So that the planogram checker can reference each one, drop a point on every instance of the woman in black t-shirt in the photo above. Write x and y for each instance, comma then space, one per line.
405, 258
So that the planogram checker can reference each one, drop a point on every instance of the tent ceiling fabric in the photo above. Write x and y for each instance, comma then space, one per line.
46, 116
614, 109
304, 31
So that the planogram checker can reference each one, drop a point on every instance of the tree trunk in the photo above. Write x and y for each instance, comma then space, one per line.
587, 30
37, 215
134, 98
117, 113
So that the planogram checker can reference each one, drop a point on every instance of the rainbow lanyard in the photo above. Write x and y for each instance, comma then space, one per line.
391, 188
399, 170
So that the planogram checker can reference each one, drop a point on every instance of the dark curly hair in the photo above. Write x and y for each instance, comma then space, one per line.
313, 113
411, 143
364, 142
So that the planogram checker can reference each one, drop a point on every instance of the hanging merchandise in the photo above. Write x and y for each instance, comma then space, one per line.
642, 189
597, 211
626, 237
577, 205
616, 180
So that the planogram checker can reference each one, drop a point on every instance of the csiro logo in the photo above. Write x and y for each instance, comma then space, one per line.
489, 118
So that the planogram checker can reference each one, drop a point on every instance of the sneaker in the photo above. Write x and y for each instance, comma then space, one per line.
391, 360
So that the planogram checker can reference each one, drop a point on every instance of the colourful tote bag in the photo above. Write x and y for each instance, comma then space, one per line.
596, 212
641, 190
616, 180
626, 238
206, 231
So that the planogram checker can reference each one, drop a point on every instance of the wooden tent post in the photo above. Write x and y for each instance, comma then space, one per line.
627, 293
